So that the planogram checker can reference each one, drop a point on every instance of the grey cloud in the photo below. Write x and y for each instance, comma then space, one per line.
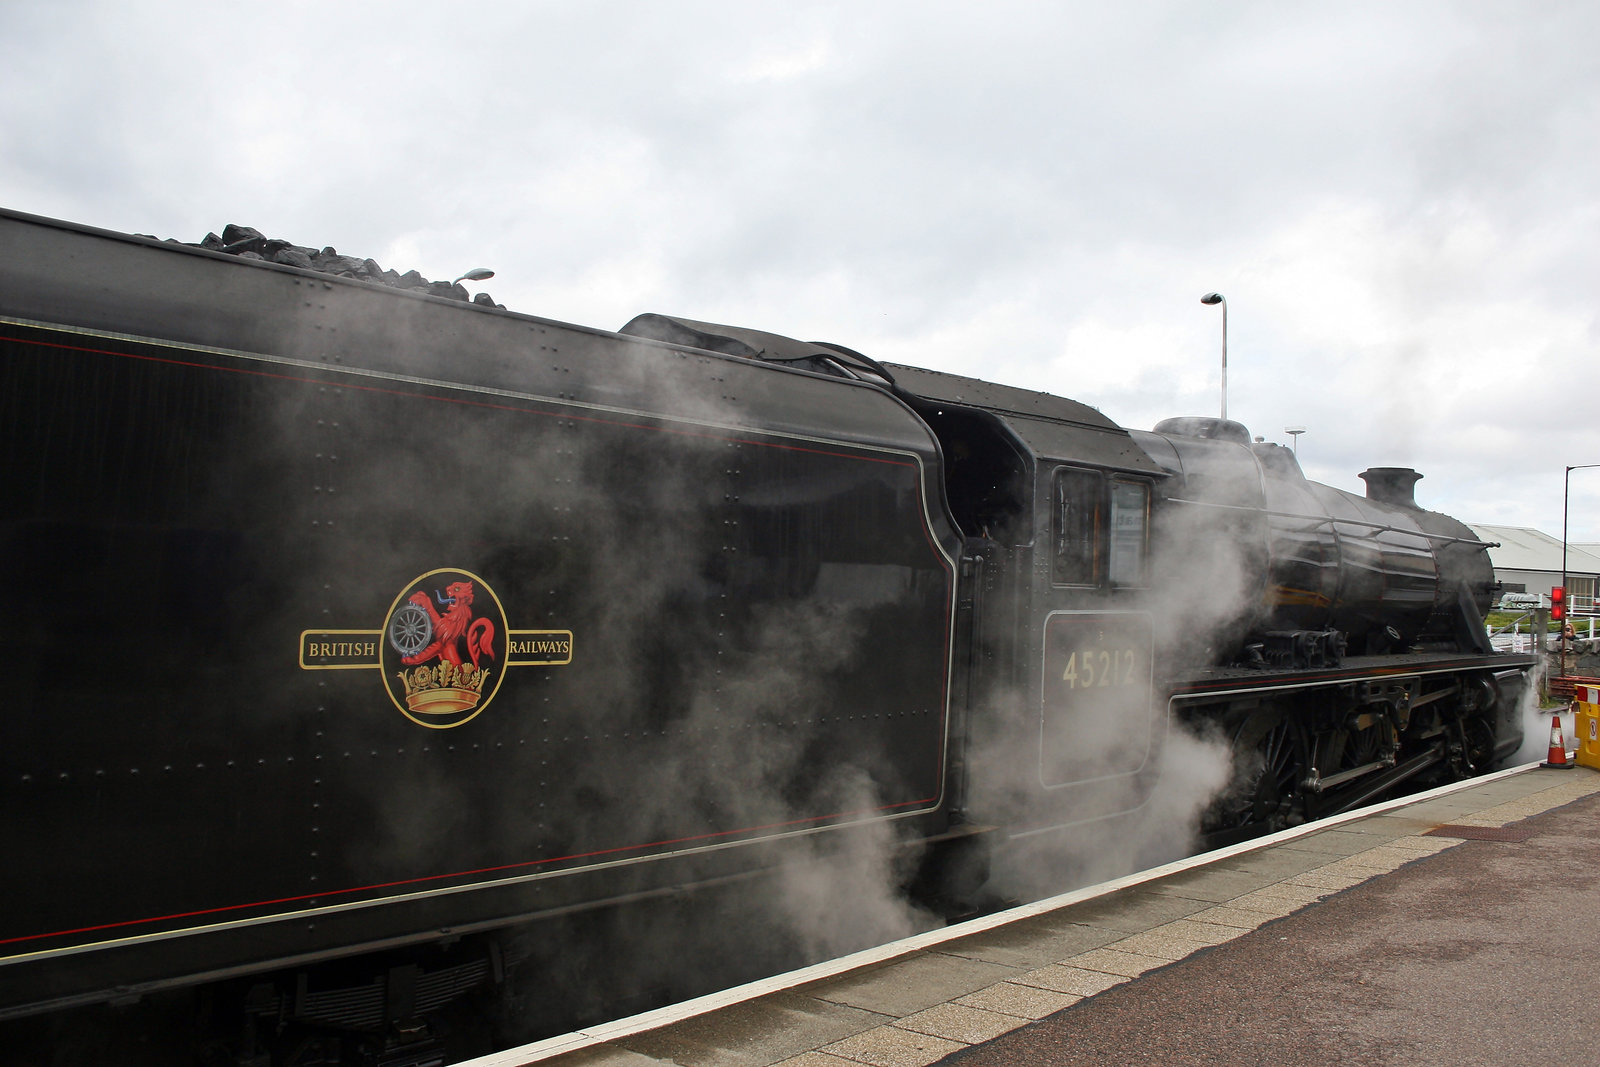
892, 174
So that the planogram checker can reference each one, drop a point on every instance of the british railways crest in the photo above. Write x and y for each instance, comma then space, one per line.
443, 651
444, 648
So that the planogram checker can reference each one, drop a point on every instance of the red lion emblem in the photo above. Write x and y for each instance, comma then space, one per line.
452, 627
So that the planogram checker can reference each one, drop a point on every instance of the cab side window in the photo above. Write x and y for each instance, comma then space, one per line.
1130, 525
1078, 496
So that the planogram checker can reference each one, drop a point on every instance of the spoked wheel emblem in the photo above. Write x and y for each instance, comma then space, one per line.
410, 630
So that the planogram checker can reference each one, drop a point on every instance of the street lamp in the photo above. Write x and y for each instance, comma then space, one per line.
1566, 485
476, 274
1294, 433
1218, 298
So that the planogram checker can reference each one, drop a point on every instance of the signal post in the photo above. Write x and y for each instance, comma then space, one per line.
1541, 658
1558, 615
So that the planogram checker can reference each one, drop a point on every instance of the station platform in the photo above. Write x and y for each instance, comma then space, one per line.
1455, 926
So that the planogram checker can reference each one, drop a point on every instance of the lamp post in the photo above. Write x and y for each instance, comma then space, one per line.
476, 274
1294, 433
1218, 298
1566, 487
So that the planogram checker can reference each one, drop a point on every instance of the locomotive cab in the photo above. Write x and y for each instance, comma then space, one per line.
1055, 501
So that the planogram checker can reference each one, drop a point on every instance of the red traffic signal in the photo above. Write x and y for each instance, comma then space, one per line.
1558, 604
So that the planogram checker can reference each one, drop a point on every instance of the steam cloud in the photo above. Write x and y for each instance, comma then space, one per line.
1205, 588
731, 750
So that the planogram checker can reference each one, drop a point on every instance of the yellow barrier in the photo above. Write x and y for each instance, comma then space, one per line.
1586, 725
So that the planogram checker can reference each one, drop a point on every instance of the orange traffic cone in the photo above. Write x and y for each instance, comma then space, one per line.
1558, 747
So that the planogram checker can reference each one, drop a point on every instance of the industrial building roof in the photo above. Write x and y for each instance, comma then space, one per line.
1525, 549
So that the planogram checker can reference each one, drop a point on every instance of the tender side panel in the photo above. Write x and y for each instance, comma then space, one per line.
688, 637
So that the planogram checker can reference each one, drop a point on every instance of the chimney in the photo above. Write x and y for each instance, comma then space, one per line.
1392, 485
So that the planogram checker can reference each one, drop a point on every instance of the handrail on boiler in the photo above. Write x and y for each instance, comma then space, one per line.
1326, 520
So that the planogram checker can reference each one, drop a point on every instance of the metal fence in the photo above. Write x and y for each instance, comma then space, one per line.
1517, 636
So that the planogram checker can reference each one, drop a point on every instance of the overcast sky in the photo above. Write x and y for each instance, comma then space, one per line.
1400, 201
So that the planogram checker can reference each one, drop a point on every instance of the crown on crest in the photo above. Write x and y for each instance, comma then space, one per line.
443, 689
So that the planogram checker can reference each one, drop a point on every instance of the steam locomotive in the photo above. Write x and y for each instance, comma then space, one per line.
357, 621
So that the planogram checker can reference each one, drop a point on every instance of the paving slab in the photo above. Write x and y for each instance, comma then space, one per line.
1332, 878
1132, 910
1274, 864
961, 1022
1279, 895
1031, 944
817, 1059
905, 986
1504, 789
1446, 809
1201, 933
1111, 961
755, 1034
891, 1046
1159, 944
1429, 843
1210, 885
1242, 918
1079, 981
1023, 1001
1340, 842
1384, 857
1404, 825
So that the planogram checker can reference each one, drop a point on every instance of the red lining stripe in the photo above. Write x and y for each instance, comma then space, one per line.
460, 874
